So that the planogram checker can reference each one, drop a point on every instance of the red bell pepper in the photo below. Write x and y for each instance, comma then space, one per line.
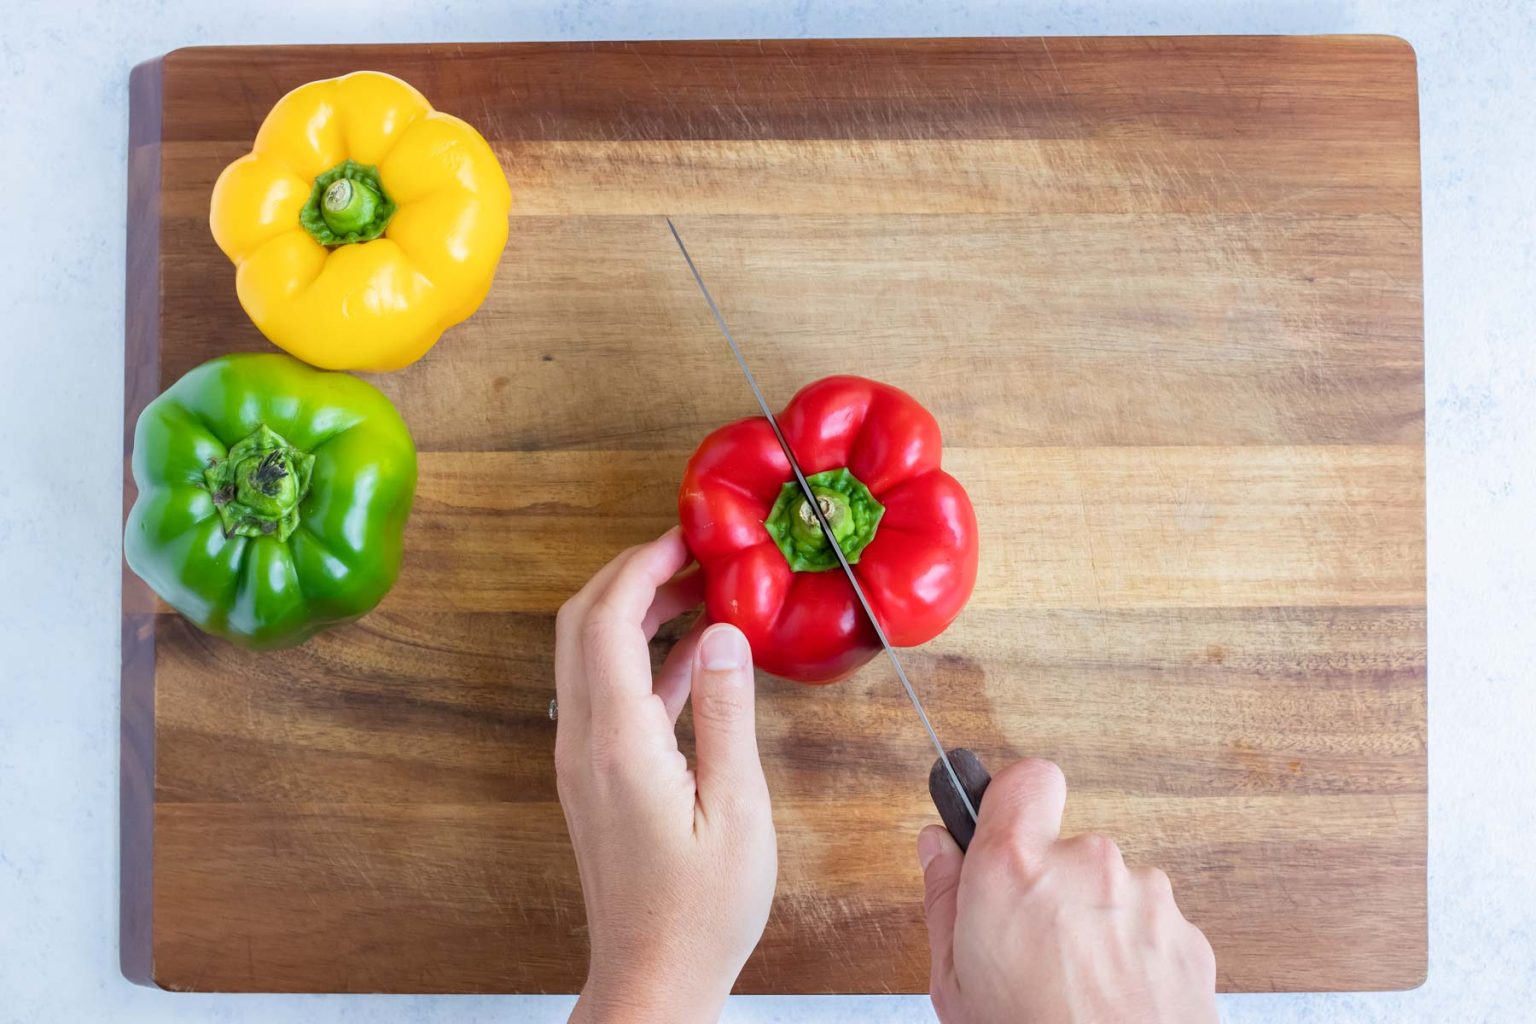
871, 454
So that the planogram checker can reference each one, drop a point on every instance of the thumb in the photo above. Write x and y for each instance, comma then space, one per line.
941, 861
730, 773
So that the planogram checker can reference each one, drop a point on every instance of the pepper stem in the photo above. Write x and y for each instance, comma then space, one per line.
851, 511
347, 204
257, 487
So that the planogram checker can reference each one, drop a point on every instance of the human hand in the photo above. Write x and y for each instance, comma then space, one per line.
677, 866
1029, 928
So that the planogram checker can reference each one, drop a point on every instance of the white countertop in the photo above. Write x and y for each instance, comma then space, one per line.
63, 127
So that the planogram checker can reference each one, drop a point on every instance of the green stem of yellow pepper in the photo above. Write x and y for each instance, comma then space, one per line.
347, 204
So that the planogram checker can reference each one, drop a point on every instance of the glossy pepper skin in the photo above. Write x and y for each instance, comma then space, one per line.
272, 498
911, 539
365, 272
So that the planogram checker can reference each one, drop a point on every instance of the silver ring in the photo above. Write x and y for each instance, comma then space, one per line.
554, 710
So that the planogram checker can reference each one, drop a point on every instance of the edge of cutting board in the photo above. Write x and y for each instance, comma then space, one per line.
141, 373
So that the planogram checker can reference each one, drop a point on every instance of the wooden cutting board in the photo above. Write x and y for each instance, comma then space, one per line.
1164, 296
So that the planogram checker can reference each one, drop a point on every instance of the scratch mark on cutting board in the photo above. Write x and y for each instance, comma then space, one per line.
357, 862
1236, 181
1059, 77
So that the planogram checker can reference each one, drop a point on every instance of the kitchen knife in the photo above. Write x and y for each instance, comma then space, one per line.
957, 780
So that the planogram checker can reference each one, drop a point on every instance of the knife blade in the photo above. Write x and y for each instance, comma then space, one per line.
958, 800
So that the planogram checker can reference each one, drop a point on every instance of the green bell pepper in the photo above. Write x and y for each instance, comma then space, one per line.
272, 498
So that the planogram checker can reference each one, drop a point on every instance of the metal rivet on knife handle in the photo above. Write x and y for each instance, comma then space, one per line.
973, 777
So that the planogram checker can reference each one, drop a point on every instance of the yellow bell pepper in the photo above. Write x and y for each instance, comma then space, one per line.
362, 224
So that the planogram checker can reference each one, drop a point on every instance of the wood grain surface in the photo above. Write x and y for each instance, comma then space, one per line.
1164, 296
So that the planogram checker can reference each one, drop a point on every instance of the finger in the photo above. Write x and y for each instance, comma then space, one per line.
573, 611
1154, 884
614, 647
632, 588
941, 861
570, 675
1024, 805
730, 773
676, 596
675, 678
575, 608
570, 669
1095, 869
1158, 898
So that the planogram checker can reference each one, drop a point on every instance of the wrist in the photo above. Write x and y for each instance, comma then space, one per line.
653, 1001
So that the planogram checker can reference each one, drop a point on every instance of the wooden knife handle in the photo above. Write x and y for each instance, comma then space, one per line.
942, 789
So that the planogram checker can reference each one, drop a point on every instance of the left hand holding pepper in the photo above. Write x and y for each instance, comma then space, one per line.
677, 866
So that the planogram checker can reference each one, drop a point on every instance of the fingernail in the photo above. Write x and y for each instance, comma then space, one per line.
723, 648
929, 846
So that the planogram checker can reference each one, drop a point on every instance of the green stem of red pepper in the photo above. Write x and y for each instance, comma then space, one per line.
347, 204
851, 511
258, 485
